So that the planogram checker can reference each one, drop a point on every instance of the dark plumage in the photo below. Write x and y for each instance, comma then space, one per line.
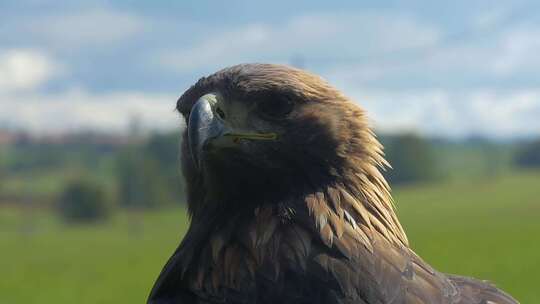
288, 204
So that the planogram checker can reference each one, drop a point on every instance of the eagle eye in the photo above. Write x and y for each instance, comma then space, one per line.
275, 108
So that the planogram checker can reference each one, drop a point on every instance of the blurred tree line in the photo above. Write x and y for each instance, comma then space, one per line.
411, 157
528, 155
145, 174
88, 181
83, 201
88, 176
148, 176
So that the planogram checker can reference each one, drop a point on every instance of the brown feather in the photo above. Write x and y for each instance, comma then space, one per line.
307, 218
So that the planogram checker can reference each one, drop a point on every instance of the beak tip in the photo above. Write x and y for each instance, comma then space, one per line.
202, 126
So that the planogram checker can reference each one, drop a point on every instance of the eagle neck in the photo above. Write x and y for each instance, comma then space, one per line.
361, 196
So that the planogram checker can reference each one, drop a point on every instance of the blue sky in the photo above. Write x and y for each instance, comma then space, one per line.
452, 68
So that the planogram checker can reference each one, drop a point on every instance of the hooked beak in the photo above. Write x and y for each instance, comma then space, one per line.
205, 126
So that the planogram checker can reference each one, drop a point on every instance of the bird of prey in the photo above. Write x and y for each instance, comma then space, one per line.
288, 204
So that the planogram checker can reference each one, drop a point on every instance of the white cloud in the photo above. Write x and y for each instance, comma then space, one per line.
433, 78
22, 69
506, 113
489, 112
491, 17
502, 61
370, 46
427, 111
519, 49
78, 109
317, 35
98, 28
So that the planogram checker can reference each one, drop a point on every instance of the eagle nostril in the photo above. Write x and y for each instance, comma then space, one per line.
220, 113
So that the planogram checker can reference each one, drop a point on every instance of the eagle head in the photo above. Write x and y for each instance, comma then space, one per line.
269, 132
288, 204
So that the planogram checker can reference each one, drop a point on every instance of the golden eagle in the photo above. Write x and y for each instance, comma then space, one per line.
287, 202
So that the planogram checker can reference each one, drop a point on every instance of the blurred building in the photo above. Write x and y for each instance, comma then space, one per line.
7, 137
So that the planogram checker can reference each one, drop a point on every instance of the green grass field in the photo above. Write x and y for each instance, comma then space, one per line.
489, 229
